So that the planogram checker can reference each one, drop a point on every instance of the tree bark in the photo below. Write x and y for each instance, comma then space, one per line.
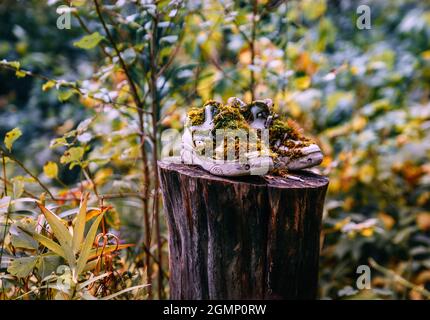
242, 238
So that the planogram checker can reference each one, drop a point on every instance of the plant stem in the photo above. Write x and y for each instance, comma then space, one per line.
140, 111
7, 213
155, 108
399, 279
252, 46
19, 163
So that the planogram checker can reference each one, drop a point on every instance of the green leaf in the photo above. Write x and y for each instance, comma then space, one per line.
15, 64
89, 41
78, 3
21, 239
65, 95
79, 227
23, 267
61, 233
50, 244
11, 137
88, 244
59, 142
47, 264
18, 187
73, 154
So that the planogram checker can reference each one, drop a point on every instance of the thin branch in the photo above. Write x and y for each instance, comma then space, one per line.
27, 193
120, 195
19, 163
4, 173
133, 87
171, 59
252, 46
7, 212
71, 86
153, 56
84, 26
140, 110
399, 279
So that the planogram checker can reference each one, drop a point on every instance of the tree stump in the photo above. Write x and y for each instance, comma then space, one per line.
242, 238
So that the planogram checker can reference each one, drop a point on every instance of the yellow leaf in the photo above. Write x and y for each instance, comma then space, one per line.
11, 137
423, 221
97, 252
426, 55
302, 83
78, 3
313, 9
366, 173
367, 232
79, 227
51, 170
92, 213
73, 154
387, 220
104, 174
61, 233
51, 245
23, 267
20, 74
88, 244
354, 70
48, 85
359, 123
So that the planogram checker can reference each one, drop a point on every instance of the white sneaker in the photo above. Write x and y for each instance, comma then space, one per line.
199, 143
294, 151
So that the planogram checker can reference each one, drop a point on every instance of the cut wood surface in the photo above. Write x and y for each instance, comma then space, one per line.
242, 238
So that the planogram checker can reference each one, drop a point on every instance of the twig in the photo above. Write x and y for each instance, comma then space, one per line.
252, 46
154, 104
140, 110
69, 85
83, 25
19, 163
399, 279
7, 212
29, 194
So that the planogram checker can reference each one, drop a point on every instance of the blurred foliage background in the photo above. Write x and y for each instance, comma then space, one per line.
94, 108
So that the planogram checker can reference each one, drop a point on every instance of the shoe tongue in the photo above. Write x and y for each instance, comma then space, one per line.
236, 102
208, 113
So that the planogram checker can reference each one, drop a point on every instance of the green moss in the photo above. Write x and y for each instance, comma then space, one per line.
229, 117
232, 117
294, 153
279, 130
196, 116
215, 103
284, 130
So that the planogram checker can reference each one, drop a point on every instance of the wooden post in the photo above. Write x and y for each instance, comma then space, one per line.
242, 238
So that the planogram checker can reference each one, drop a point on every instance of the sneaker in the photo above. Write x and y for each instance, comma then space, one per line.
293, 150
223, 156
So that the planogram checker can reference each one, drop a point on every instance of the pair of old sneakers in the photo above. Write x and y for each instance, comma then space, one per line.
240, 139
